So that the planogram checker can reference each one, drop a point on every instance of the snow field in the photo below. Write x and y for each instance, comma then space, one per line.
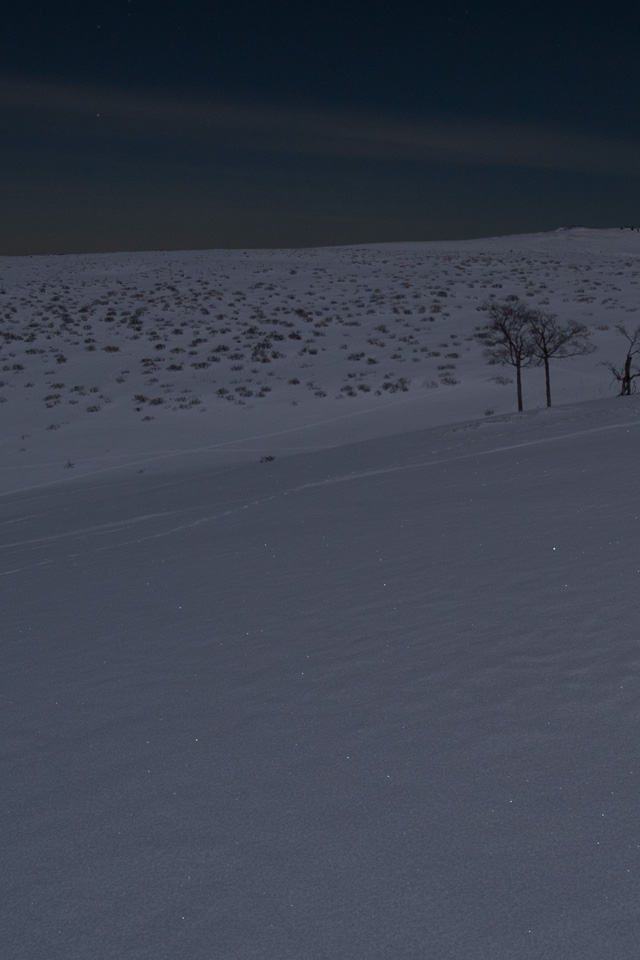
374, 698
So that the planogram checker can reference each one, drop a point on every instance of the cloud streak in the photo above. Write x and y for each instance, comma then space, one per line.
65, 113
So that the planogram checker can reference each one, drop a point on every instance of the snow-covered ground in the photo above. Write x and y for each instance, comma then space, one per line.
374, 698
139, 358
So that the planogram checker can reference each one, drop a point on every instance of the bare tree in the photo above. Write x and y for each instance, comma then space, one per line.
551, 339
626, 374
507, 336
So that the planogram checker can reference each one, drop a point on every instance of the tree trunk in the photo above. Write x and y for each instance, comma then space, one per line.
547, 380
626, 380
519, 383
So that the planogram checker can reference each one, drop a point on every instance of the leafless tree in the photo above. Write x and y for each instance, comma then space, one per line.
626, 374
507, 336
551, 339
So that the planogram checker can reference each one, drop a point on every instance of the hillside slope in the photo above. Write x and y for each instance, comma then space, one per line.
118, 359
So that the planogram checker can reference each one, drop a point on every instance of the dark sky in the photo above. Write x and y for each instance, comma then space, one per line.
142, 124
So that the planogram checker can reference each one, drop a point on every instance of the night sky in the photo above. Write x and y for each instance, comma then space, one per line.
143, 124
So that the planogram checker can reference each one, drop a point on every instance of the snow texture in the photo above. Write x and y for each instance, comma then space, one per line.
376, 697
